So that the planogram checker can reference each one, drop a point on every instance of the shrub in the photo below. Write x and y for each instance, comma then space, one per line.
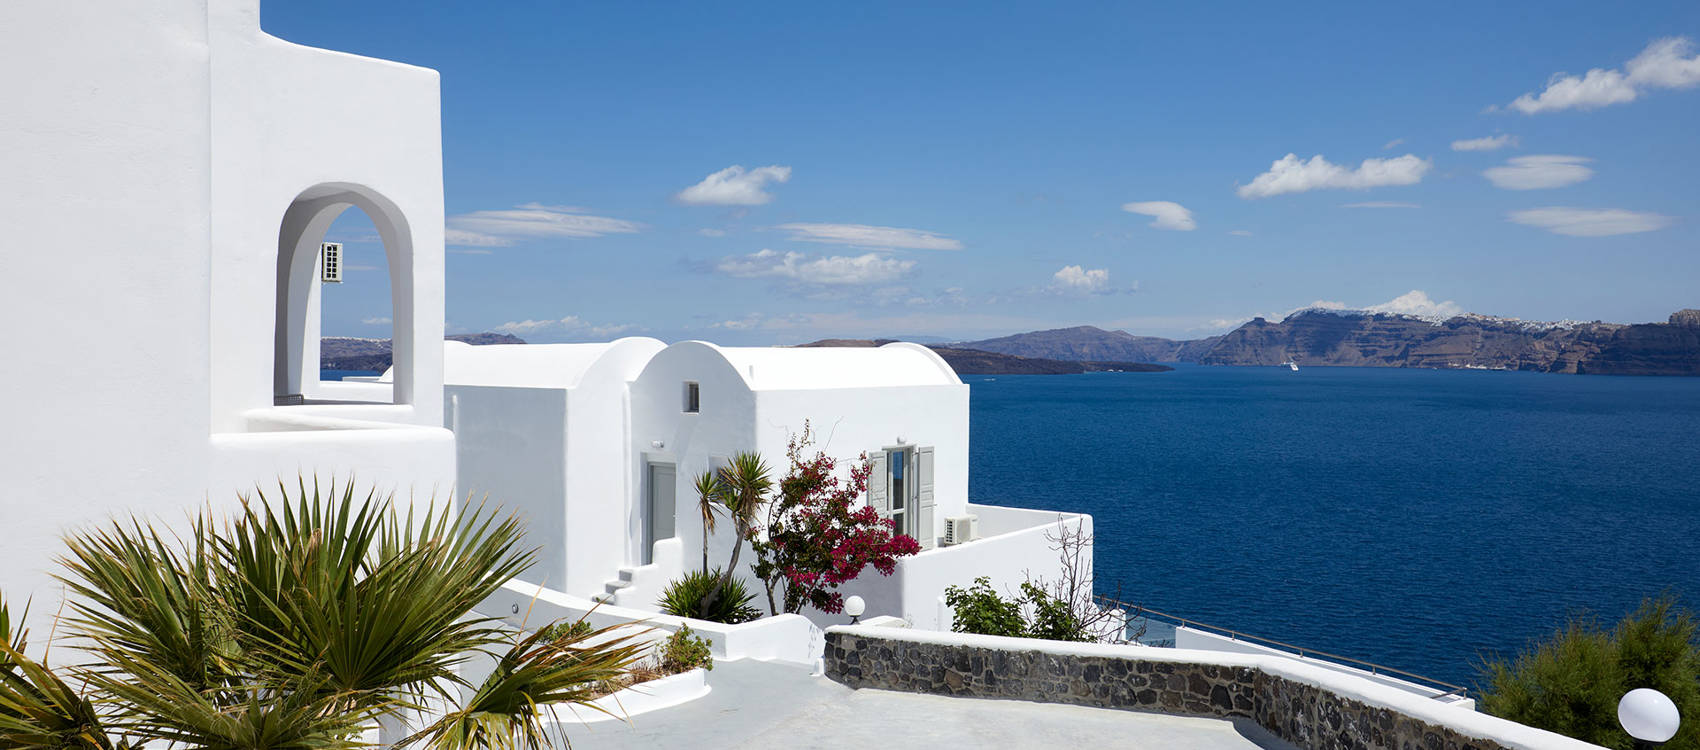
709, 595
1036, 613
980, 610
295, 623
684, 651
1571, 683
562, 630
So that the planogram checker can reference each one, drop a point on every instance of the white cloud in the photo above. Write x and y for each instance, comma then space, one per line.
863, 235
571, 325
1239, 233
1665, 64
733, 186
1390, 145
1589, 222
1289, 174
1487, 143
711, 232
376, 321
530, 221
1168, 214
1416, 303
834, 270
1537, 172
1382, 204
1081, 280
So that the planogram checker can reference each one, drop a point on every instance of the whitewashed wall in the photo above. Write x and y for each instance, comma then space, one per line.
288, 119
150, 151
724, 426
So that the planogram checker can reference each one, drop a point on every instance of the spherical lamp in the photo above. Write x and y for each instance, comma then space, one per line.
1648, 715
854, 607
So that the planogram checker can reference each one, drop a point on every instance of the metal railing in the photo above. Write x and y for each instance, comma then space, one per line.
1135, 610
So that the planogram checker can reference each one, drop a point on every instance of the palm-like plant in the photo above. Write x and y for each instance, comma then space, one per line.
709, 489
746, 482
295, 625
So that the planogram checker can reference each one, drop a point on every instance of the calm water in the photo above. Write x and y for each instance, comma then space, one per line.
1415, 518
340, 374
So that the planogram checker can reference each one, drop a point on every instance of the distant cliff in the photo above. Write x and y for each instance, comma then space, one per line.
1359, 339
1090, 344
1355, 338
339, 353
973, 362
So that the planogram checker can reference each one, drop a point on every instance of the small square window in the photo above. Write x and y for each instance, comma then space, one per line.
693, 398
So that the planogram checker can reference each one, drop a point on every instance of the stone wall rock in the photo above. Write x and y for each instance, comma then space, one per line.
1308, 716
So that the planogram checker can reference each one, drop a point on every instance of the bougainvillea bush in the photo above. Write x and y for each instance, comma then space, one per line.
817, 536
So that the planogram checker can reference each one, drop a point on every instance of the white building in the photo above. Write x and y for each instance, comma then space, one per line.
542, 429
617, 433
170, 171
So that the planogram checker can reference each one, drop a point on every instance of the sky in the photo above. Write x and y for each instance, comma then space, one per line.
775, 173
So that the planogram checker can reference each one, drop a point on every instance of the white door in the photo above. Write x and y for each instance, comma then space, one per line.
659, 510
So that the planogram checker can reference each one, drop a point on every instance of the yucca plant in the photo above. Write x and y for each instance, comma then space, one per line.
745, 483
709, 490
296, 624
710, 596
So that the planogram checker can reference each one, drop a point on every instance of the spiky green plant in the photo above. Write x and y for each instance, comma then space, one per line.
710, 596
745, 483
511, 708
709, 489
293, 625
38, 710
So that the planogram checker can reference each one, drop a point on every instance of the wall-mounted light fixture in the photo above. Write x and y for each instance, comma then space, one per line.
657, 444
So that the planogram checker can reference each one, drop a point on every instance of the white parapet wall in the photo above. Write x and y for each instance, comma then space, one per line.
867, 656
1193, 638
1014, 544
786, 638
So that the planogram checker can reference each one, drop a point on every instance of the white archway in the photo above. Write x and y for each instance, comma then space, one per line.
295, 371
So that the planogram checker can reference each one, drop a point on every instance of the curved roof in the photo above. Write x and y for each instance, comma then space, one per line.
796, 368
537, 365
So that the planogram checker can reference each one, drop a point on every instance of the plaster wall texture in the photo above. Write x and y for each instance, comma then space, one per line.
151, 152
542, 430
786, 638
1307, 705
309, 133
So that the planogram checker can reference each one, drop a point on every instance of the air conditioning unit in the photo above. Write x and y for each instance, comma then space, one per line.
330, 271
959, 529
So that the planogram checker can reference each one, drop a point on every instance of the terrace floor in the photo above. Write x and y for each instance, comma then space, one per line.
769, 705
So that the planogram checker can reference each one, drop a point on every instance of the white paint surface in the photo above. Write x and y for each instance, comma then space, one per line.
151, 152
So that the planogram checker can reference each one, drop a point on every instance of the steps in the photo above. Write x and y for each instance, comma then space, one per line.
612, 588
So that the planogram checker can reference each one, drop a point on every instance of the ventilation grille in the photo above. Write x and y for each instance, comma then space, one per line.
330, 267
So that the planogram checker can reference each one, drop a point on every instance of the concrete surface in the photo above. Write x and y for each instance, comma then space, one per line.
769, 705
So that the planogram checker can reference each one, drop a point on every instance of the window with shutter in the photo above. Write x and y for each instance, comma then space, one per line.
921, 525
878, 479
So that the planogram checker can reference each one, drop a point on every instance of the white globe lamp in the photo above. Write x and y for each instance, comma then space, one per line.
1648, 715
854, 607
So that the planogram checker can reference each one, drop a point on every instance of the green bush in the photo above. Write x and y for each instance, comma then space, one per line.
980, 610
1571, 683
705, 595
1036, 613
683, 652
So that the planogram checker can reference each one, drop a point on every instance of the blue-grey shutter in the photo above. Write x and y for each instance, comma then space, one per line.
878, 499
923, 521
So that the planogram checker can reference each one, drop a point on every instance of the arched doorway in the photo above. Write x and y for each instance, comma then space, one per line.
300, 296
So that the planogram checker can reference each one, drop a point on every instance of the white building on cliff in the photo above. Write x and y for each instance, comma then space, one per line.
169, 172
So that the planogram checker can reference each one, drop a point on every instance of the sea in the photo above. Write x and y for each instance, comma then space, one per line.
1421, 519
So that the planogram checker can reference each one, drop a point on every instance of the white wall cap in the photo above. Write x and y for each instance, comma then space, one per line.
1460, 719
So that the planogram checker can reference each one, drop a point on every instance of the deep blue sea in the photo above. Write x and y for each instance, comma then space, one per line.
1414, 518
340, 374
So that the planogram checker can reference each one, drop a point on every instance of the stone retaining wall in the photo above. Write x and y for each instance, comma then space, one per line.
1308, 716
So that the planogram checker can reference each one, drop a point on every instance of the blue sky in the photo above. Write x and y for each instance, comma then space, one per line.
961, 170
